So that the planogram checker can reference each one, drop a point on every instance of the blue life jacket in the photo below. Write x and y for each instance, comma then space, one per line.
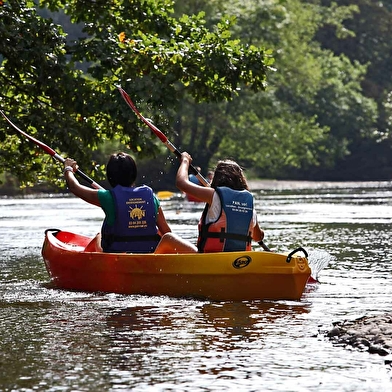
233, 229
135, 229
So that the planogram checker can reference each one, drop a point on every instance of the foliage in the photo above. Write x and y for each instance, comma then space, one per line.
370, 45
155, 56
300, 123
200, 70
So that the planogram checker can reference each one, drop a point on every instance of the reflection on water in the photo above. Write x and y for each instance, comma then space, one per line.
59, 340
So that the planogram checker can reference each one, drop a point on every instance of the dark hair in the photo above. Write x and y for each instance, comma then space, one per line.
121, 170
229, 173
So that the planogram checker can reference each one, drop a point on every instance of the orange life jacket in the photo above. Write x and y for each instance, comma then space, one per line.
232, 231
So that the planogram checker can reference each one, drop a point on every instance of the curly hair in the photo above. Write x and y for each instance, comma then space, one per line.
229, 173
121, 170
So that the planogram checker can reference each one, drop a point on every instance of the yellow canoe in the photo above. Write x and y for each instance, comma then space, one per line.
74, 264
165, 195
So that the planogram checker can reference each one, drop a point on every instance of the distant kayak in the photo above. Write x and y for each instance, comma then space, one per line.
193, 199
74, 262
165, 195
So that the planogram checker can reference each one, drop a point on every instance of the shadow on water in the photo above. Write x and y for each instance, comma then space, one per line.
233, 318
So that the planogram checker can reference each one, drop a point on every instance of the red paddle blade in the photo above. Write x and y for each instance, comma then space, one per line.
156, 130
312, 280
46, 148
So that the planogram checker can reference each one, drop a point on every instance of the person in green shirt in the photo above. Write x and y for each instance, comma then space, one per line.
134, 220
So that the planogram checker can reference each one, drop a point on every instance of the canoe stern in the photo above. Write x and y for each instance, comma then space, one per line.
223, 276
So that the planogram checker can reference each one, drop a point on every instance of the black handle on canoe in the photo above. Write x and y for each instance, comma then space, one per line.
291, 254
55, 231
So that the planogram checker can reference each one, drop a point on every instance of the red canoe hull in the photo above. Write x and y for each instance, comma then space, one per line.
223, 276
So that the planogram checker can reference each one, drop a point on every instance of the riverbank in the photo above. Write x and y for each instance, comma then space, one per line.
9, 188
291, 184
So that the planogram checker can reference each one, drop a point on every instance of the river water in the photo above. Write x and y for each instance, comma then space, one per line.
53, 340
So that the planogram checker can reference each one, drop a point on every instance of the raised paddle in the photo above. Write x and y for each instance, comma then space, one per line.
51, 152
162, 137
169, 145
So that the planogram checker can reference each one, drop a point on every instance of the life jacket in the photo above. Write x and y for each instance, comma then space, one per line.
233, 229
135, 229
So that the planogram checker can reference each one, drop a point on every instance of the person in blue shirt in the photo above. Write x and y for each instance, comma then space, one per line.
193, 178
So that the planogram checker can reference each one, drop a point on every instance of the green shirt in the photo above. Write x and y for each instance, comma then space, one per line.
107, 204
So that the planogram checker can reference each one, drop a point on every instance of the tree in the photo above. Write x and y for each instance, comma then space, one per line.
370, 44
158, 57
298, 127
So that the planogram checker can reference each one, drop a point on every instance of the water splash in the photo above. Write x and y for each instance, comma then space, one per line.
318, 260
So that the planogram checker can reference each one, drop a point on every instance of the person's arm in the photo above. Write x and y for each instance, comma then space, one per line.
258, 234
162, 224
87, 194
183, 184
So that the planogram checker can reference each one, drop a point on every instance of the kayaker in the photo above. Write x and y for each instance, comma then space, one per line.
193, 178
210, 176
134, 220
229, 220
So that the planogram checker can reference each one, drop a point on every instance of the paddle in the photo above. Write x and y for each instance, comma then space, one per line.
51, 152
264, 246
160, 135
169, 145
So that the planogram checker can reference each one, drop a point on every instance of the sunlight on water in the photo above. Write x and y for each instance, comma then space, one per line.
56, 340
